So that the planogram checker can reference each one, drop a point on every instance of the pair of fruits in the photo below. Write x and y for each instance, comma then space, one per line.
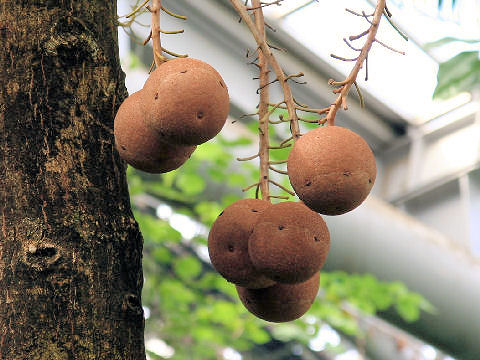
273, 253
183, 103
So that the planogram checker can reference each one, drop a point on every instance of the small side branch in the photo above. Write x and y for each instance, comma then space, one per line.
173, 14
352, 77
248, 158
288, 191
137, 9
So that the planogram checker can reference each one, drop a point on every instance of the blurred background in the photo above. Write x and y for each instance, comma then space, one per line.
402, 280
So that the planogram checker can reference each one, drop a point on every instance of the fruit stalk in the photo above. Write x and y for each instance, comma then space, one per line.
263, 114
157, 45
282, 78
352, 77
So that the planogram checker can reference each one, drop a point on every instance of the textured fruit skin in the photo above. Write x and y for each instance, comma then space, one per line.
280, 302
289, 243
228, 243
331, 169
187, 101
139, 146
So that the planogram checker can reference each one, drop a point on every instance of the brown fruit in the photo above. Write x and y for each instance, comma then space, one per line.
140, 146
228, 243
281, 302
289, 243
331, 169
186, 101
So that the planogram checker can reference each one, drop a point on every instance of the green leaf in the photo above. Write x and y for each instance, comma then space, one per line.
230, 199
191, 183
448, 40
208, 211
156, 231
236, 180
212, 152
242, 141
461, 73
187, 268
162, 255
408, 309
205, 333
256, 333
223, 312
174, 295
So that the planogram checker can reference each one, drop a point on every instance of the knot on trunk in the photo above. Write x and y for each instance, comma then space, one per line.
131, 304
72, 49
41, 257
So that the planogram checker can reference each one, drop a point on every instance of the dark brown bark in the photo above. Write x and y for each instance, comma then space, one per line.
70, 250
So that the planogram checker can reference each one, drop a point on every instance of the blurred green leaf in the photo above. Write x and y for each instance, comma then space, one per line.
448, 40
236, 180
190, 183
155, 230
408, 309
460, 73
162, 255
242, 141
187, 268
208, 211
175, 295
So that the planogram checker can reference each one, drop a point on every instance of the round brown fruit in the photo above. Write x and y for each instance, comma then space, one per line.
228, 243
186, 100
331, 169
280, 302
289, 243
139, 146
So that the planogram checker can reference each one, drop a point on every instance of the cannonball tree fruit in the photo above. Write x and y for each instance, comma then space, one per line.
186, 101
280, 302
331, 169
228, 243
289, 242
139, 146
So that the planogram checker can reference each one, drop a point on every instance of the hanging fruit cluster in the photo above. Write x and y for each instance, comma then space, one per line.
183, 103
273, 253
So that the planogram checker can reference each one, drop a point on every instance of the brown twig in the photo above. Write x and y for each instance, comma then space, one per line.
137, 9
248, 158
261, 5
262, 44
173, 14
350, 80
157, 45
282, 187
263, 112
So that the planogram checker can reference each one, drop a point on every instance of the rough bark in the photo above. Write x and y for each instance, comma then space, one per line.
70, 250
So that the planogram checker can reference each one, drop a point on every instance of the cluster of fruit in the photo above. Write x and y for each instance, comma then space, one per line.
183, 103
274, 253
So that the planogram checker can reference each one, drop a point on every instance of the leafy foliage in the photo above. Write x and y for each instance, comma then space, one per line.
192, 308
460, 73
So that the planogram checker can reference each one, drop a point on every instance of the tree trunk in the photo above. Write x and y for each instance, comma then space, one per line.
70, 249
